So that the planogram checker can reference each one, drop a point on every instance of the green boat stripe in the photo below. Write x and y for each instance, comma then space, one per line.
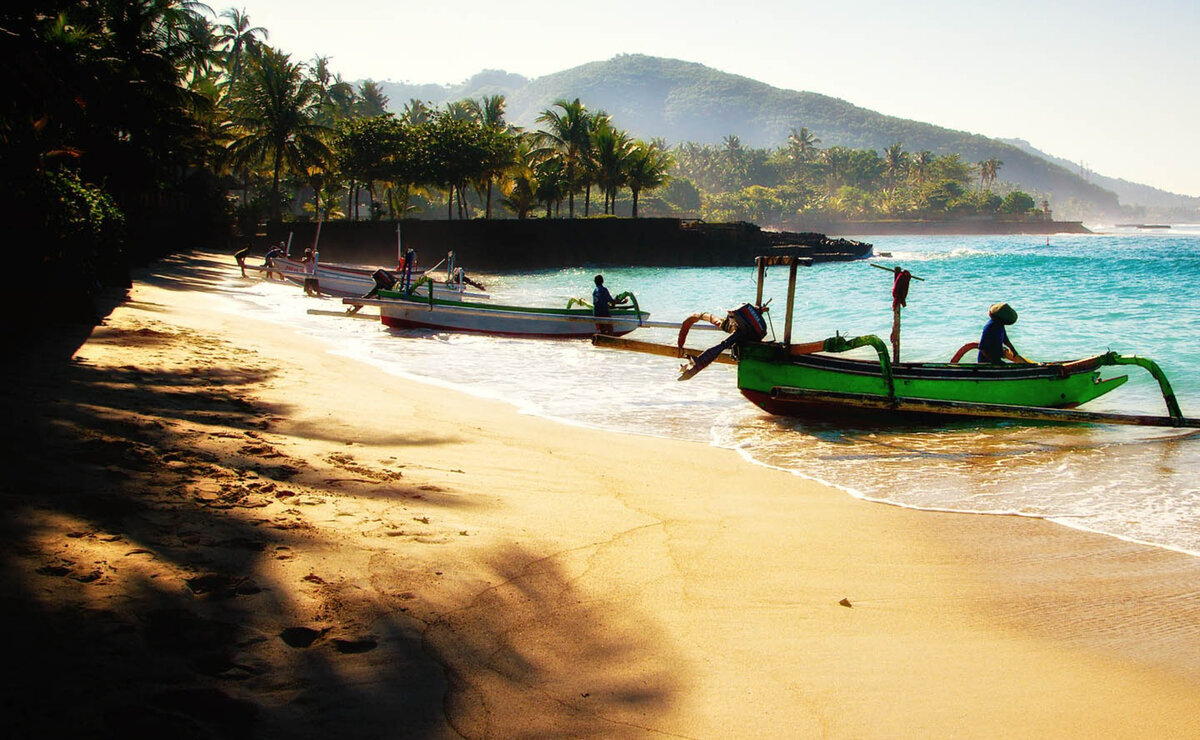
423, 301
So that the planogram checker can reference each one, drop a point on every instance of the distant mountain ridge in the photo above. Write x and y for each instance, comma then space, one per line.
1130, 193
685, 101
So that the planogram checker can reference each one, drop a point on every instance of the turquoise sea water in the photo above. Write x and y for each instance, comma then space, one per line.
1133, 292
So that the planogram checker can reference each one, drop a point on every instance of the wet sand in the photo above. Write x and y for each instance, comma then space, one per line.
217, 529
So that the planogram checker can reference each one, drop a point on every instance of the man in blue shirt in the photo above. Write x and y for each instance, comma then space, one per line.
602, 300
995, 338
602, 303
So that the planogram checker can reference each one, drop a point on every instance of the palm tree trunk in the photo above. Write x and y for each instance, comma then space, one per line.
587, 200
450, 205
489, 199
635, 201
275, 184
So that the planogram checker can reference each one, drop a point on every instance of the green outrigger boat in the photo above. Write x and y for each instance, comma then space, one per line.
811, 379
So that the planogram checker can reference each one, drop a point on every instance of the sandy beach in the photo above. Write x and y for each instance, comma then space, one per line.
217, 529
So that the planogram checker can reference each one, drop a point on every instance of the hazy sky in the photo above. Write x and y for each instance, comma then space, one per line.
1114, 85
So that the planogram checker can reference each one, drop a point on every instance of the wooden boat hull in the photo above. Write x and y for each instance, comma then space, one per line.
767, 372
516, 321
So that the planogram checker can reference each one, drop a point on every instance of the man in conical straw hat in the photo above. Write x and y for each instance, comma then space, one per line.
995, 338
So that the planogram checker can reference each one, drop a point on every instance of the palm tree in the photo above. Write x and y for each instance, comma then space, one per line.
461, 110
568, 133
276, 112
371, 100
611, 148
835, 160
921, 162
141, 115
488, 112
417, 112
734, 159
551, 180
338, 98
646, 168
237, 37
802, 144
895, 162
521, 188
988, 169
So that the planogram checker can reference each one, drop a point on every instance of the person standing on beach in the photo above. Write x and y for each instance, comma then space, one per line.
995, 338
310, 273
269, 259
241, 256
602, 303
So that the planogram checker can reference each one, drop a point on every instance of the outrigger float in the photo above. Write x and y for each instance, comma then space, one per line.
809, 379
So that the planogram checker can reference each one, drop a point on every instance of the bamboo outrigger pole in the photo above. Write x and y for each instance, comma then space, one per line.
989, 410
899, 301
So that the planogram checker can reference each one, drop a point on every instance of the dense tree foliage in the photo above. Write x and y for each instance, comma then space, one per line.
159, 122
800, 179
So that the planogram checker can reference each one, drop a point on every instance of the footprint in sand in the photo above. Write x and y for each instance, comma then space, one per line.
260, 450
350, 647
181, 631
218, 586
301, 637
229, 717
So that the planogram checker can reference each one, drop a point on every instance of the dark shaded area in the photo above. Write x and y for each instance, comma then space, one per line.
97, 649
207, 643
534, 244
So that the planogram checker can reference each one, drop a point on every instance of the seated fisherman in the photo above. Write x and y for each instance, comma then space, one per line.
995, 338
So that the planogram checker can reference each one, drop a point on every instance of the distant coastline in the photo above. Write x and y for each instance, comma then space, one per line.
938, 227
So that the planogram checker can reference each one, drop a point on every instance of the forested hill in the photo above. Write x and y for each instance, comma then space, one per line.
684, 101
1130, 193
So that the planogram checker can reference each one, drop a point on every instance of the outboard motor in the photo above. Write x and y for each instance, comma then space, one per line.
744, 324
384, 280
751, 326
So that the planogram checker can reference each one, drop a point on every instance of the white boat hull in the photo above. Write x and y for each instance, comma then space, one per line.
502, 320
349, 282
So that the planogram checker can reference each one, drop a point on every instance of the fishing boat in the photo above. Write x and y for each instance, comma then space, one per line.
815, 380
409, 309
349, 281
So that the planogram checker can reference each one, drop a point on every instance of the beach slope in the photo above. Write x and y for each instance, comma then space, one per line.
215, 528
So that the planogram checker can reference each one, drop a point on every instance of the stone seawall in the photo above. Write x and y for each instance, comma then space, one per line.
554, 243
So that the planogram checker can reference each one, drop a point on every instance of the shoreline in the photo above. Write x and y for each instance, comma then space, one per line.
536, 409
200, 493
1060, 521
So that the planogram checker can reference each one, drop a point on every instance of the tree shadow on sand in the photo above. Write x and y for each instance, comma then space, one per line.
145, 578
